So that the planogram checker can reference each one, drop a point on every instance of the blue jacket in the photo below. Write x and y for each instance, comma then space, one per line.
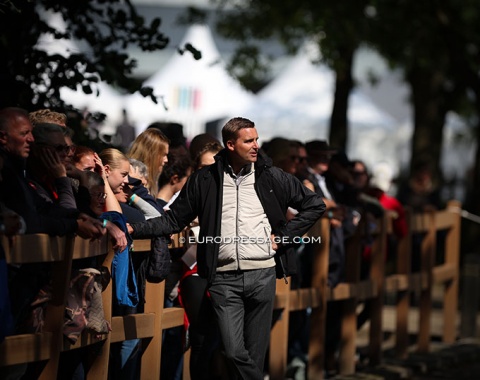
125, 290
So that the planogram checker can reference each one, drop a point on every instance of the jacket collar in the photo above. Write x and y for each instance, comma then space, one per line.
263, 161
16, 162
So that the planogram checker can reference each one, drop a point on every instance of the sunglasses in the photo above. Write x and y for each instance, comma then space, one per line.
359, 173
99, 196
298, 159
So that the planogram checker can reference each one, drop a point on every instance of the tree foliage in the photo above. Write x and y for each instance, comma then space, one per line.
432, 50
434, 43
31, 76
338, 28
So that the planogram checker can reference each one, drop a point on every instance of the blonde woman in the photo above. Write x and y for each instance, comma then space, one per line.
124, 363
115, 174
151, 148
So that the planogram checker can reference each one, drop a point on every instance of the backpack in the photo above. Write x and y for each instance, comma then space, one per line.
84, 307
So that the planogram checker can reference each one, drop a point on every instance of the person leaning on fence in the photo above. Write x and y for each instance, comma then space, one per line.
319, 154
151, 147
48, 116
241, 203
203, 336
379, 185
174, 175
139, 267
421, 192
124, 356
40, 216
10, 224
46, 166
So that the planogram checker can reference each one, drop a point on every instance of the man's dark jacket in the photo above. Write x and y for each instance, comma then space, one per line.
39, 215
202, 196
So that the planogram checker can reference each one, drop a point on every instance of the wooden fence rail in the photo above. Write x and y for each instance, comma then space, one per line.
46, 347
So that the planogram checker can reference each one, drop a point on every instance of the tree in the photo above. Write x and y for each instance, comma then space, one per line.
31, 77
419, 52
337, 27
432, 42
438, 54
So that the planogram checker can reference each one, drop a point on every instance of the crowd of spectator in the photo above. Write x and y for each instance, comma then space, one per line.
48, 184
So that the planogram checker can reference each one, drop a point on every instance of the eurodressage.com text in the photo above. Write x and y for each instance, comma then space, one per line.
250, 240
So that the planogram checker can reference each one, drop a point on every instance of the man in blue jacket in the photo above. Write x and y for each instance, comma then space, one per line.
241, 202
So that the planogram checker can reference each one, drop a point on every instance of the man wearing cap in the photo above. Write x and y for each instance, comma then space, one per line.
241, 196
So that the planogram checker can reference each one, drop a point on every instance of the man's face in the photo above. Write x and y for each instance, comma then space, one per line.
71, 151
18, 138
302, 159
244, 149
321, 163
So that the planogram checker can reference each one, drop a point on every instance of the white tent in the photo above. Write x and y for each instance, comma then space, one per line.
298, 104
191, 92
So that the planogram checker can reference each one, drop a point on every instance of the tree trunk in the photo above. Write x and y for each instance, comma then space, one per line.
472, 202
343, 85
429, 118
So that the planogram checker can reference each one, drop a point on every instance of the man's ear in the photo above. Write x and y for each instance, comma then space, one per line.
174, 179
3, 137
230, 145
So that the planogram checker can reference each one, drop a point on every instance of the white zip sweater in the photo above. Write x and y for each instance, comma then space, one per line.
245, 231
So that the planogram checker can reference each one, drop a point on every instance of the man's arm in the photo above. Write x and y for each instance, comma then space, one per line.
179, 216
309, 205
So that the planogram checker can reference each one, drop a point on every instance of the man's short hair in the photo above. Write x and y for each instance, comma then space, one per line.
231, 128
47, 116
7, 115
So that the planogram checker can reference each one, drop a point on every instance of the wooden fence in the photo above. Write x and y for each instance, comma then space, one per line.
46, 347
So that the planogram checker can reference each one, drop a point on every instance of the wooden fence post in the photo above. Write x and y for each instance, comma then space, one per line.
377, 276
452, 259
278, 352
316, 347
404, 269
471, 295
348, 346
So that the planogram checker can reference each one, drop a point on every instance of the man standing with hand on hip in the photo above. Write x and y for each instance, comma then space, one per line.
241, 202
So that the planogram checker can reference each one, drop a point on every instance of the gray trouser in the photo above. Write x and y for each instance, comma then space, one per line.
243, 303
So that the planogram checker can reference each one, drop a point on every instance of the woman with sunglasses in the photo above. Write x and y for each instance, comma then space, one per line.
46, 166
